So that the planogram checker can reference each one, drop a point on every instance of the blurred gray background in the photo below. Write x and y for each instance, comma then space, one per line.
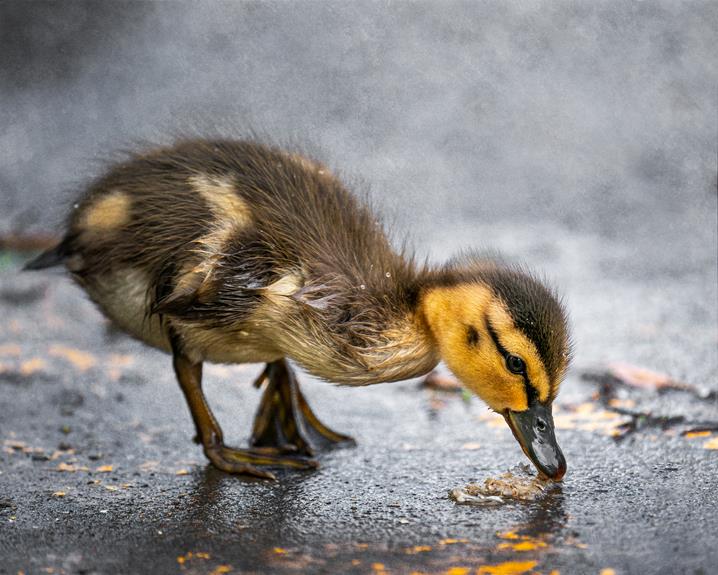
577, 136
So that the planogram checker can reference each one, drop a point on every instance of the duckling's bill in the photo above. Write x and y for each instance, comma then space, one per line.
533, 428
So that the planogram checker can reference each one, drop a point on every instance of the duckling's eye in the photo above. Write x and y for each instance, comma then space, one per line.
515, 364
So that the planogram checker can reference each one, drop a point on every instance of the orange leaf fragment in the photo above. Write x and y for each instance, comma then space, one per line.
507, 568
59, 494
104, 469
607, 571
70, 468
711, 443
221, 569
32, 366
182, 472
279, 550
80, 359
457, 571
692, 434
10, 349
641, 377
441, 382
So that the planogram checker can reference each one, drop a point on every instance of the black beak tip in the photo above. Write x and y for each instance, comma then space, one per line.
555, 470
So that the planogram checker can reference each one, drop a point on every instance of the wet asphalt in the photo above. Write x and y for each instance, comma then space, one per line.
98, 472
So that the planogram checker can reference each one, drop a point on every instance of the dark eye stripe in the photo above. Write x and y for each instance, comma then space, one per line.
531, 391
495, 338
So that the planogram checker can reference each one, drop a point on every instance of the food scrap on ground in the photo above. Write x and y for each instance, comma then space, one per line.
517, 484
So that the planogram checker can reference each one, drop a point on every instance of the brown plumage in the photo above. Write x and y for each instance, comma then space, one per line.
235, 251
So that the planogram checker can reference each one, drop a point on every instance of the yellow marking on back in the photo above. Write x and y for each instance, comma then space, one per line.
222, 198
285, 286
231, 214
107, 213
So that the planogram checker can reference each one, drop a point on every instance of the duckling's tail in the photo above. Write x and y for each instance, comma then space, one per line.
49, 258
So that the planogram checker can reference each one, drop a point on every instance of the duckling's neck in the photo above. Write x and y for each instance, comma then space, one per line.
401, 349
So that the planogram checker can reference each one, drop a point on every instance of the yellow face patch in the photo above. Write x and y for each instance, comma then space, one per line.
457, 317
107, 213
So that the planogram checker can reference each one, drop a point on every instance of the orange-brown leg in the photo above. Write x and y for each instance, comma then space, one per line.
284, 419
209, 433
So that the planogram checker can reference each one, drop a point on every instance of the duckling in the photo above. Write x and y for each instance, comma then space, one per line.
237, 251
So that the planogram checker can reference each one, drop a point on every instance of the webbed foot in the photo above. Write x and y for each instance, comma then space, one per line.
284, 419
243, 461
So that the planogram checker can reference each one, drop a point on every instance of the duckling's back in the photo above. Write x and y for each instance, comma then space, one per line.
225, 237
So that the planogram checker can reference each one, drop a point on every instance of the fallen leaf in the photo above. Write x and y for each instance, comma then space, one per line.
418, 549
32, 366
711, 443
527, 545
59, 494
69, 468
621, 403
80, 359
441, 382
642, 377
457, 571
451, 541
182, 472
221, 569
507, 568
104, 469
10, 349
692, 434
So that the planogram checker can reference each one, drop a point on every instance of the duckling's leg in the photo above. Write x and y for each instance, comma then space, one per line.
285, 420
209, 433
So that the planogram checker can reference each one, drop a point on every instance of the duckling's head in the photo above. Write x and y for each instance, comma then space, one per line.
505, 336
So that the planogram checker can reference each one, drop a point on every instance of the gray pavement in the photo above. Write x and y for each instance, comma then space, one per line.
578, 138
